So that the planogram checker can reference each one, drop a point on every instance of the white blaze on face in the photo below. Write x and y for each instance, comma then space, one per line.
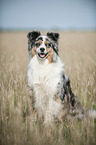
42, 45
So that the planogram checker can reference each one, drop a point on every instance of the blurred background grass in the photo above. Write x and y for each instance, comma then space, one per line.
78, 51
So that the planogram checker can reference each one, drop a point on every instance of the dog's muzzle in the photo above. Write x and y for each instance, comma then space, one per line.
42, 54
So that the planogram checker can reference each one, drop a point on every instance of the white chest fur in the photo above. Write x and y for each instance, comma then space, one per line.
44, 78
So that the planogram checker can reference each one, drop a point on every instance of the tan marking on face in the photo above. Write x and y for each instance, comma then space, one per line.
39, 41
50, 54
33, 51
46, 42
35, 48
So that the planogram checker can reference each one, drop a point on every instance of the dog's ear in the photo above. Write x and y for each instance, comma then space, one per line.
53, 36
33, 35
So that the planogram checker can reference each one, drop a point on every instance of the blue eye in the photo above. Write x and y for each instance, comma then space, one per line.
48, 45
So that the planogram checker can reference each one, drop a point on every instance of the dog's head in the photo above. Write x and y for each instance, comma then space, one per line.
44, 47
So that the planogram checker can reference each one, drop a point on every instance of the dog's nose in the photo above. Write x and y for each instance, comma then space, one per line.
42, 49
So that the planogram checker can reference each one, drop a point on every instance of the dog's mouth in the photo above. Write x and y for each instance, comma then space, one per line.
42, 55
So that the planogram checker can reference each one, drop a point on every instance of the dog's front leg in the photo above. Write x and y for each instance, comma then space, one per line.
53, 110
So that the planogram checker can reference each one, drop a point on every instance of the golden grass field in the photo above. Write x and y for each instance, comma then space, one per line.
78, 51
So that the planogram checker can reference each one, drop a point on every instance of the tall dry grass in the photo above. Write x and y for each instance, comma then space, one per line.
78, 51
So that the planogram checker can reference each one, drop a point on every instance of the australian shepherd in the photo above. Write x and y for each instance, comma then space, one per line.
51, 91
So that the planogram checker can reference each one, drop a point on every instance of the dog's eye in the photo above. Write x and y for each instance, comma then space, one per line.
48, 45
37, 44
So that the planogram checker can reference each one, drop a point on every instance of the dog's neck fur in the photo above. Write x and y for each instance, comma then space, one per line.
43, 70
44, 78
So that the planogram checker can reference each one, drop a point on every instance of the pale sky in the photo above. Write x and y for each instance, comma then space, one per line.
48, 14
